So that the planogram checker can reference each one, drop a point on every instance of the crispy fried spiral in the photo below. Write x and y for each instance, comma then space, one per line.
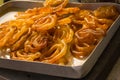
81, 51
56, 5
35, 42
21, 41
21, 55
64, 33
70, 10
89, 36
6, 37
56, 52
55, 33
45, 23
34, 13
84, 42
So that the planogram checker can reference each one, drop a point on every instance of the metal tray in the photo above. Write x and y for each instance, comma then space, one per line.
79, 68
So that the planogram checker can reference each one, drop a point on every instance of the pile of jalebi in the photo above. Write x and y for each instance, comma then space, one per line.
55, 33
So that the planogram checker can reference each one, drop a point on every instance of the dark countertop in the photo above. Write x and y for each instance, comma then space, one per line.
115, 72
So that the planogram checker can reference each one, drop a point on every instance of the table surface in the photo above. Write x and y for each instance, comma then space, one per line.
100, 71
115, 72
